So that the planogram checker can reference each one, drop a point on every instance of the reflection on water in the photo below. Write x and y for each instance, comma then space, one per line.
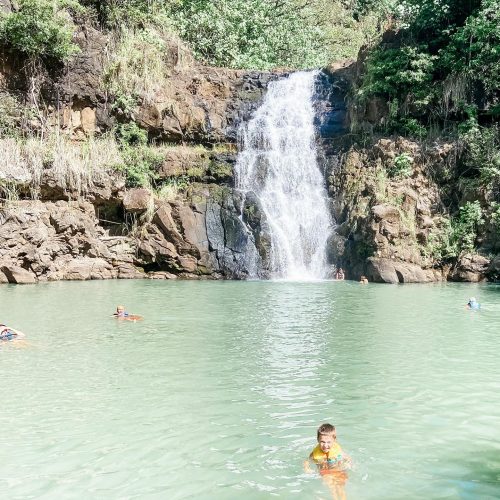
219, 391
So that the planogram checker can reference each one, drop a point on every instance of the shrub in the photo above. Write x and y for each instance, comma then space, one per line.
474, 48
130, 134
401, 167
40, 30
482, 152
140, 161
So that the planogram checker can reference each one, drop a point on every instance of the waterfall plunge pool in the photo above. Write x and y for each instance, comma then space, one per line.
218, 392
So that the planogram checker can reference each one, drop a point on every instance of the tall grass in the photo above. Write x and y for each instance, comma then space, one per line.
139, 63
75, 166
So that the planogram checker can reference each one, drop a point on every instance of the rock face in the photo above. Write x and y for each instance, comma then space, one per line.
199, 237
389, 225
197, 104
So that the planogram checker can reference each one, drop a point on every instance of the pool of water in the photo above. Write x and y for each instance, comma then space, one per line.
217, 394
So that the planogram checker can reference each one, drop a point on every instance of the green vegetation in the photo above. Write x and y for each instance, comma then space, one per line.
140, 161
256, 34
482, 154
401, 167
458, 234
41, 29
138, 67
444, 54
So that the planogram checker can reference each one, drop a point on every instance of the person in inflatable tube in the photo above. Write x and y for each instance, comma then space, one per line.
7, 333
473, 304
124, 315
331, 461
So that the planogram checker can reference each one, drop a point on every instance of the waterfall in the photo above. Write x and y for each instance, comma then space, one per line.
278, 165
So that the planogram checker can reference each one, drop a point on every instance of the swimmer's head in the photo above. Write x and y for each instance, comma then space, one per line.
324, 429
326, 437
472, 299
120, 309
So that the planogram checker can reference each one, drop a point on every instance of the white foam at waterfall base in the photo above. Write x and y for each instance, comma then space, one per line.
278, 162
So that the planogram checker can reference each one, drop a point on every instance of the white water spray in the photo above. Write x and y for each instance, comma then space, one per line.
278, 163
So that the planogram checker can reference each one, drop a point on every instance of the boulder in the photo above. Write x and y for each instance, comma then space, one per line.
137, 200
161, 275
127, 271
493, 271
86, 268
470, 267
19, 275
391, 271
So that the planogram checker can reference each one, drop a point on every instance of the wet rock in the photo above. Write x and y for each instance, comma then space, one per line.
471, 267
16, 274
493, 271
86, 268
390, 271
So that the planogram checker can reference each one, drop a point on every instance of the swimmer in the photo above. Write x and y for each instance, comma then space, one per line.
7, 333
340, 275
331, 461
122, 314
473, 304
363, 280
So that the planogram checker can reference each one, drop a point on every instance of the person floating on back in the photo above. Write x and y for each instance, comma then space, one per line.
7, 333
122, 314
473, 304
331, 461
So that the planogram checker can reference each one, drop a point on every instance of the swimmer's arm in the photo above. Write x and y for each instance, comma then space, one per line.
346, 460
307, 465
19, 335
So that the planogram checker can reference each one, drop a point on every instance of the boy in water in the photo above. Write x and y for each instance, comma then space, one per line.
122, 314
331, 461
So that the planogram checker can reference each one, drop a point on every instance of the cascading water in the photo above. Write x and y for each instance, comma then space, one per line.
278, 164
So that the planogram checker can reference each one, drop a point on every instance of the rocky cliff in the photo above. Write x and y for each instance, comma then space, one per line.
65, 226
107, 230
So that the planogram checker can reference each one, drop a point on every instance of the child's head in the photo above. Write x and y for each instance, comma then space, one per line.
326, 436
120, 309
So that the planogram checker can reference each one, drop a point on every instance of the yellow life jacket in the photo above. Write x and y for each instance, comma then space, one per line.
333, 456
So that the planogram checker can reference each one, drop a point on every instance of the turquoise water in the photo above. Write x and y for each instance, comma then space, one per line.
217, 394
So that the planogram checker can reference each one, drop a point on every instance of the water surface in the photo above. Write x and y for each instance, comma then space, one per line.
218, 392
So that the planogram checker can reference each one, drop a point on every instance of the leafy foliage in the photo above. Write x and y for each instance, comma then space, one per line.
251, 33
446, 50
459, 234
482, 153
140, 161
402, 166
254, 34
40, 29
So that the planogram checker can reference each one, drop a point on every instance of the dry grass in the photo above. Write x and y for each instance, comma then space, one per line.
138, 64
168, 192
456, 89
76, 167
